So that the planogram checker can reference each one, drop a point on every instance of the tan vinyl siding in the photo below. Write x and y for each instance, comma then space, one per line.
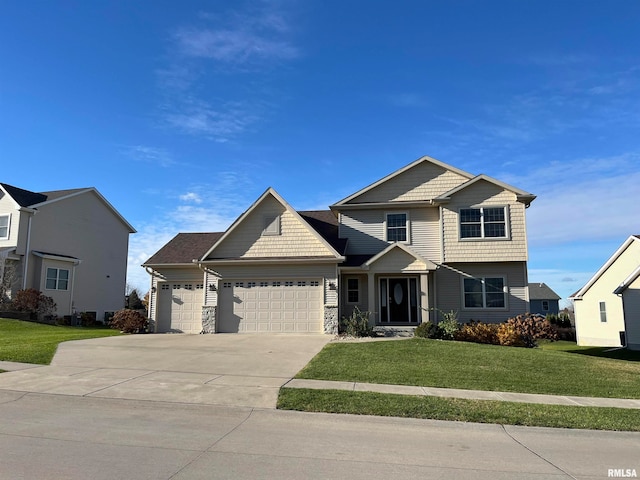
365, 230
398, 261
8, 207
422, 182
449, 290
484, 194
589, 329
247, 240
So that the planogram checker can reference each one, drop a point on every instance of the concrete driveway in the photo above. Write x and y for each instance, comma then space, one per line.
231, 369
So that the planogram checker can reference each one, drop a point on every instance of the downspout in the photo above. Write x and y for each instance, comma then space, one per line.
73, 284
152, 294
27, 252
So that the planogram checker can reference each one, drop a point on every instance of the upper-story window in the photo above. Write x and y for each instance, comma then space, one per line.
57, 279
5, 221
483, 222
397, 227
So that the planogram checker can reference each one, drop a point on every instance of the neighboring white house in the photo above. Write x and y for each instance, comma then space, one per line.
427, 237
71, 245
598, 305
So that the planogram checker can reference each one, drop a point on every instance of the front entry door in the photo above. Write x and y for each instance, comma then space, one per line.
399, 300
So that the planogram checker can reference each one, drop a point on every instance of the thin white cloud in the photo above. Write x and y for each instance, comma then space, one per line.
145, 153
191, 197
220, 124
204, 208
585, 199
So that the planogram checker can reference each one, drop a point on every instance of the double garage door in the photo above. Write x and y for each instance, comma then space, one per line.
266, 305
254, 306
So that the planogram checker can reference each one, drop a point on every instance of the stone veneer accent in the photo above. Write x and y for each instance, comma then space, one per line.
331, 319
208, 319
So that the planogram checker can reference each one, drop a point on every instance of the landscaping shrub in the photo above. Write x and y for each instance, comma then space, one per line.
357, 324
533, 327
478, 332
33, 301
449, 325
428, 330
508, 336
129, 321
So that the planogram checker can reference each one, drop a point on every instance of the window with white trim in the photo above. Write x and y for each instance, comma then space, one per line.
603, 312
397, 227
5, 222
485, 292
483, 222
57, 279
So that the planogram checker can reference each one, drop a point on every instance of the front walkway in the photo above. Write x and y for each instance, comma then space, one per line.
467, 394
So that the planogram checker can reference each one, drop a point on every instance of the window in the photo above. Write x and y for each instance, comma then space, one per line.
397, 227
545, 305
4, 226
57, 279
353, 290
302, 283
483, 222
484, 292
271, 225
603, 312
226, 285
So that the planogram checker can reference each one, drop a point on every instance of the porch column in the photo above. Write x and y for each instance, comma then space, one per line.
425, 312
372, 305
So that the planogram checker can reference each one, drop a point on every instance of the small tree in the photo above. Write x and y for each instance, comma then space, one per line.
134, 302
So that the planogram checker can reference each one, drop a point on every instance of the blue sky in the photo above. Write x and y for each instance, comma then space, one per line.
182, 113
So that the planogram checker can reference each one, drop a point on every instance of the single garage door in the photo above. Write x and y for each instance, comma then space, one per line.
271, 306
180, 307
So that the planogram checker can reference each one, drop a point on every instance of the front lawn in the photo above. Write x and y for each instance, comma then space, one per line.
29, 342
458, 409
558, 368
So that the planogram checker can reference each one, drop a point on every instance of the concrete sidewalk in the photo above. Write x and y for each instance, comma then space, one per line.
467, 394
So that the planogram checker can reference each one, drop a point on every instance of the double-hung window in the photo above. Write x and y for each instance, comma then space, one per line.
603, 312
483, 222
5, 221
57, 279
397, 227
486, 292
353, 290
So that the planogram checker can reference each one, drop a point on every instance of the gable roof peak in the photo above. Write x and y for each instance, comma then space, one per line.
423, 159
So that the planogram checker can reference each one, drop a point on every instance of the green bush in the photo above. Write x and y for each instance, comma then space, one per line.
428, 330
449, 325
357, 324
129, 321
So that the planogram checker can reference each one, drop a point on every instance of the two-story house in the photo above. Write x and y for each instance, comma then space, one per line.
71, 245
426, 238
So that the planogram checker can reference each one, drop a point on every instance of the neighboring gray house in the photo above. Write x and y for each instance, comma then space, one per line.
427, 237
543, 300
71, 245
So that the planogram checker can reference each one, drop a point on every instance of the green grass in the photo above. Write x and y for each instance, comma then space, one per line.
558, 368
29, 342
453, 409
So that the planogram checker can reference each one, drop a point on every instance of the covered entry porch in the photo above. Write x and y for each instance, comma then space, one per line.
393, 285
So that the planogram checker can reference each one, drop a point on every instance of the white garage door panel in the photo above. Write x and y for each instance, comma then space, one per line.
180, 307
263, 306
